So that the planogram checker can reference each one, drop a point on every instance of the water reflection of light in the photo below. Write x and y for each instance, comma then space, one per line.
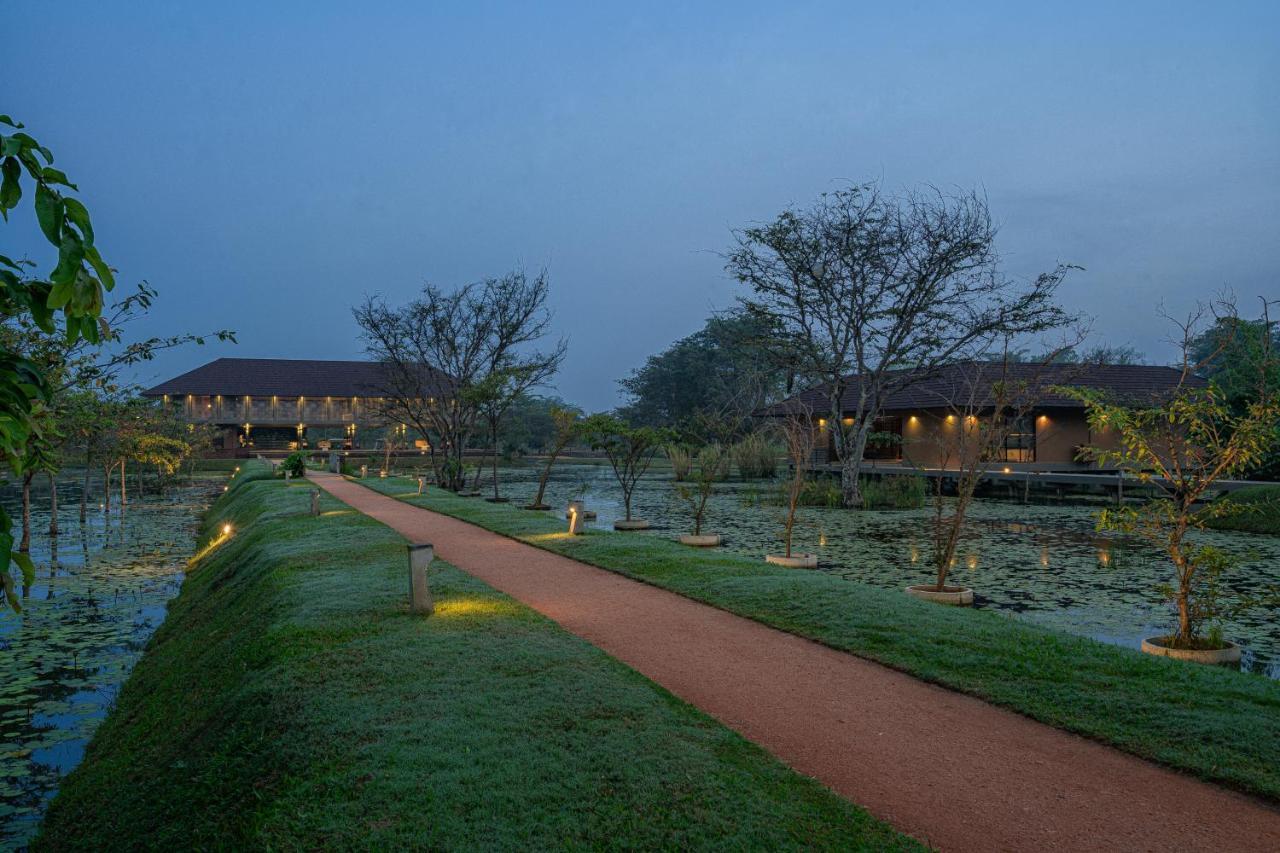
1044, 556
972, 562
915, 554
1104, 557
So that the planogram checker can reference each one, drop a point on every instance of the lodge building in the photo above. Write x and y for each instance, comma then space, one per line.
281, 404
918, 417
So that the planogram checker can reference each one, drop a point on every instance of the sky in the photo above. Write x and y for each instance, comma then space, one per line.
265, 166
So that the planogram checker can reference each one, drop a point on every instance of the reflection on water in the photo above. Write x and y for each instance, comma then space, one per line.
1043, 561
99, 594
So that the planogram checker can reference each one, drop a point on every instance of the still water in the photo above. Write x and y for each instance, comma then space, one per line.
99, 594
1042, 561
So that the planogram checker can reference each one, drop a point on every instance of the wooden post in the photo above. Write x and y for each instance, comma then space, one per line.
420, 557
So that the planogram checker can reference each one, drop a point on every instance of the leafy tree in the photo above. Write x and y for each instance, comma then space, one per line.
718, 371
708, 468
71, 292
629, 449
568, 427
1180, 445
1231, 352
861, 285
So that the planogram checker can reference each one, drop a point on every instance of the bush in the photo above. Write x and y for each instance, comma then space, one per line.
681, 461
822, 491
757, 457
1255, 509
295, 464
896, 492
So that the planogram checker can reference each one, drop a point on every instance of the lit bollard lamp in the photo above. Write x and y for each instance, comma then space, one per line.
422, 484
315, 502
575, 516
420, 557
364, 471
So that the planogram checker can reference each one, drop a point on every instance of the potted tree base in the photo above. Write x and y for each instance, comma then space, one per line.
1228, 656
793, 561
498, 500
629, 524
538, 507
960, 596
589, 514
701, 540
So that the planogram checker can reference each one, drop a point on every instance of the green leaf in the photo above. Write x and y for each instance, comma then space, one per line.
70, 260
79, 215
28, 567
105, 275
56, 176
6, 119
49, 212
10, 189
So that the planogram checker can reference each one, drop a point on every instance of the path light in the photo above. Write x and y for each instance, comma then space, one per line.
226, 529
422, 484
315, 502
574, 514
420, 557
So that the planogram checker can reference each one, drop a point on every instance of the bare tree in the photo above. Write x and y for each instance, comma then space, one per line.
988, 403
442, 352
798, 434
867, 293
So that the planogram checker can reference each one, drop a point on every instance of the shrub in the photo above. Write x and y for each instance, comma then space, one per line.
757, 457
896, 492
1255, 509
681, 461
295, 463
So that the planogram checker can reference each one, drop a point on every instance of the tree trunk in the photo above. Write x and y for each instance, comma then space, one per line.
124, 494
494, 436
24, 545
851, 467
53, 505
106, 486
84, 490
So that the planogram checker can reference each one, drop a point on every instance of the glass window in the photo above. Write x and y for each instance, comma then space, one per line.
1020, 443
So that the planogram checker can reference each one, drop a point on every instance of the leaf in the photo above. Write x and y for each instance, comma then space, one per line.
49, 212
79, 216
70, 260
10, 189
105, 275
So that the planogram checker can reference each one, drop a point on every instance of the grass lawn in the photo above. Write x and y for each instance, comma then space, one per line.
1259, 511
291, 702
1215, 723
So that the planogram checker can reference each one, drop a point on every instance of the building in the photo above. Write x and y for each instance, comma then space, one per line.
919, 415
280, 404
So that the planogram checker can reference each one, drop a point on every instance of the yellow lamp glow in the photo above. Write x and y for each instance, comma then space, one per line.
226, 529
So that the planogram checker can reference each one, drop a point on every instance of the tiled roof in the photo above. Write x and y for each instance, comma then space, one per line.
262, 377
1128, 383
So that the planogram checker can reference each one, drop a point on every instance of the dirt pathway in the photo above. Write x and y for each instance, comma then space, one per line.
949, 769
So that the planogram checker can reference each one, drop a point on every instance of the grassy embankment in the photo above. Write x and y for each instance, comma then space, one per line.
1258, 511
290, 701
1217, 724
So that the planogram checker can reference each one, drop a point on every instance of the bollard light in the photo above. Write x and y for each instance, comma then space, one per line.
364, 471
575, 515
226, 529
422, 484
315, 502
420, 557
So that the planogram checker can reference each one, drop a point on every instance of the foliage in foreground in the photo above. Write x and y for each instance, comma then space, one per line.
1220, 725
290, 702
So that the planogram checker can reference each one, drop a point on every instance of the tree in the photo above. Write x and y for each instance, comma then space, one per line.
860, 286
798, 435
1231, 353
716, 371
991, 401
441, 353
1180, 445
629, 449
74, 289
568, 427
708, 468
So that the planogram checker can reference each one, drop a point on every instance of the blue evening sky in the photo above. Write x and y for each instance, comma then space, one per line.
266, 165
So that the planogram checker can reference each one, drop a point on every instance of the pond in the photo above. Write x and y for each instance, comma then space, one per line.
1042, 561
99, 594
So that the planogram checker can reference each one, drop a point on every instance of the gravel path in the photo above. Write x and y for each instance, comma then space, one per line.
949, 769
